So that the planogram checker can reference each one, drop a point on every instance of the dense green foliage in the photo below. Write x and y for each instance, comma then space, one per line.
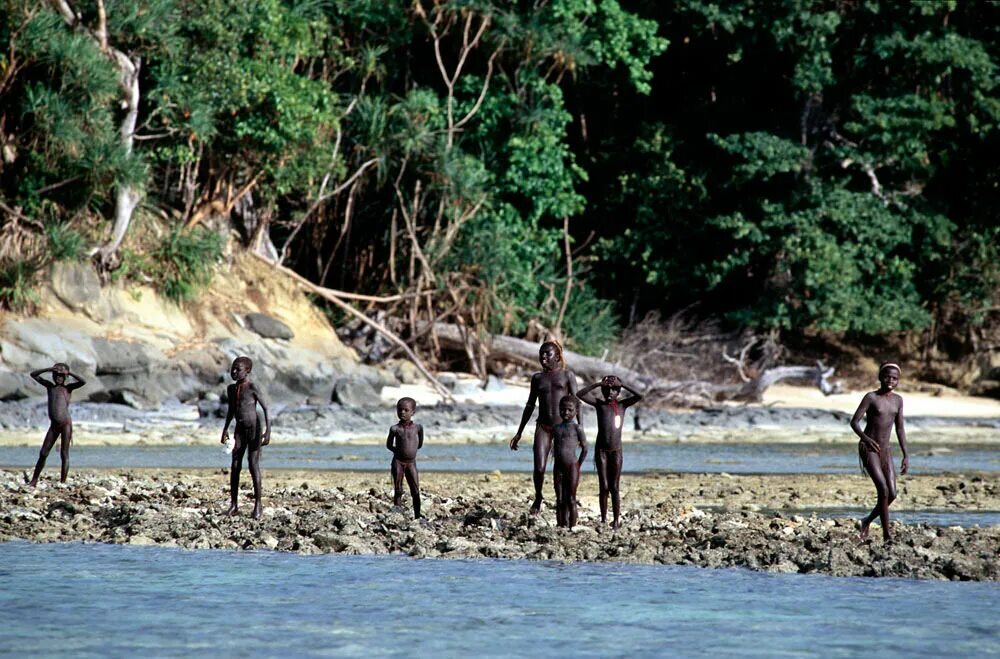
782, 163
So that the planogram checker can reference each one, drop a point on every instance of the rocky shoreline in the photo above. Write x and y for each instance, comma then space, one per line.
485, 515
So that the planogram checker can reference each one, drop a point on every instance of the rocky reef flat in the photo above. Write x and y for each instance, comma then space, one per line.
709, 521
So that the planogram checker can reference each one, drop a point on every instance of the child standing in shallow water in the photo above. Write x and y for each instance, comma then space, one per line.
882, 409
405, 438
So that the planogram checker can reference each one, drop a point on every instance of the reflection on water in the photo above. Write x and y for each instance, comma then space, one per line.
639, 457
116, 600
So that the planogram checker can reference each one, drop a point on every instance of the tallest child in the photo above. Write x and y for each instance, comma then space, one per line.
547, 387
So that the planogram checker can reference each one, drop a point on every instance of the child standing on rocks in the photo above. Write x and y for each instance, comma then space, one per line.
244, 396
608, 447
882, 409
404, 440
60, 423
566, 437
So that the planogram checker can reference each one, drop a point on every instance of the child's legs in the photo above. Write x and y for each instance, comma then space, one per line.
67, 439
561, 501
47, 444
396, 468
601, 463
571, 479
413, 480
236, 466
873, 466
540, 448
614, 480
253, 460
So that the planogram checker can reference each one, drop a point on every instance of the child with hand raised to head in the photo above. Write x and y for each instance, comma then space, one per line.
566, 438
243, 398
60, 423
881, 409
608, 447
405, 438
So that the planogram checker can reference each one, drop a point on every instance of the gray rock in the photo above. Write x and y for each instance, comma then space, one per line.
75, 283
355, 393
16, 386
467, 388
268, 327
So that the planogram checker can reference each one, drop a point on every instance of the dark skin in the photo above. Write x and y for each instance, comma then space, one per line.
882, 410
608, 448
547, 388
566, 438
244, 396
60, 423
404, 440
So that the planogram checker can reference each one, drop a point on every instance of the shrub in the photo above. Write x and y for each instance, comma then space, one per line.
183, 262
17, 278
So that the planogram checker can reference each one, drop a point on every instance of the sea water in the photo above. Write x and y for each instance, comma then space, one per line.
101, 600
639, 457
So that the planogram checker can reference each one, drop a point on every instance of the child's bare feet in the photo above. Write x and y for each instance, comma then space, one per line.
863, 535
536, 507
258, 510
232, 510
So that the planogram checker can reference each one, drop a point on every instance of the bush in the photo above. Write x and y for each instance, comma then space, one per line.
17, 278
65, 244
183, 262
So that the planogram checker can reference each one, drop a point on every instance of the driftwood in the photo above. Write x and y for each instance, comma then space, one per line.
518, 351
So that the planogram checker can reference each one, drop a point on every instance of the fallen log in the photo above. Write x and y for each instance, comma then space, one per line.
508, 349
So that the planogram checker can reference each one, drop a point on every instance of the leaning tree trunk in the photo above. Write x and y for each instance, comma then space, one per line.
127, 196
509, 349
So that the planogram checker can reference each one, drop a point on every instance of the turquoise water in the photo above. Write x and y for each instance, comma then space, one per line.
100, 600
639, 457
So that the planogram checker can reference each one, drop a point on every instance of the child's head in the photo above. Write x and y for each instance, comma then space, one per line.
567, 407
241, 368
611, 387
888, 375
59, 372
405, 407
550, 356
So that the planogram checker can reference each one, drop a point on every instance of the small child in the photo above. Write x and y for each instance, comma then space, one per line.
404, 440
60, 423
608, 447
882, 409
244, 396
566, 437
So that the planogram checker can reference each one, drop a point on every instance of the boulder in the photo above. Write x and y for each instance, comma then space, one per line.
355, 393
75, 284
17, 386
268, 327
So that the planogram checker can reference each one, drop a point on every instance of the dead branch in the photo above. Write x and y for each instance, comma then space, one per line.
335, 298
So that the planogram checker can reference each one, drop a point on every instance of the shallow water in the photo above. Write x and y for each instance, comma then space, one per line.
639, 457
99, 600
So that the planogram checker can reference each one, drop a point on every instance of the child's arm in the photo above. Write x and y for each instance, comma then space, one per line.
633, 399
571, 386
36, 376
230, 412
529, 409
388, 439
582, 439
76, 385
585, 395
901, 436
856, 424
259, 396
420, 434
